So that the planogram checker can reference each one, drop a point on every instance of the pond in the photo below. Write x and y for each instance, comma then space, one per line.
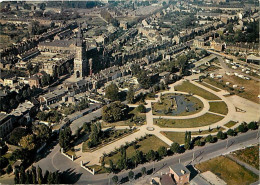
183, 105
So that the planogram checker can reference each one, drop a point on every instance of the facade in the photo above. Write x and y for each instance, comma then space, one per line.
80, 62
198, 42
181, 173
6, 125
34, 81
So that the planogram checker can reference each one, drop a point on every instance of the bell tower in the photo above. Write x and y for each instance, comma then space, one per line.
80, 61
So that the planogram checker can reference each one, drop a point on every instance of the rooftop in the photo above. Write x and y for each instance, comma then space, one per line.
179, 169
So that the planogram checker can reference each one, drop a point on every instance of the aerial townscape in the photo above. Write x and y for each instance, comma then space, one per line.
161, 92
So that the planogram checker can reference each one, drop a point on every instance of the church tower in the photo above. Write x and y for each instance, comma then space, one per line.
80, 61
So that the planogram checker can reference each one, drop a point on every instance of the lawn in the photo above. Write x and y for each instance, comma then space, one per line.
98, 169
218, 107
150, 143
177, 137
204, 120
230, 124
211, 131
190, 88
249, 155
168, 103
209, 86
228, 170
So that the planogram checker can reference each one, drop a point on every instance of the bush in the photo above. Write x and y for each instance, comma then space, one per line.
252, 125
141, 108
221, 135
9, 169
209, 139
231, 132
3, 162
242, 128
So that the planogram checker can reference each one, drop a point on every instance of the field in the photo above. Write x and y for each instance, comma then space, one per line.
218, 107
230, 124
250, 92
228, 170
249, 155
98, 169
190, 88
204, 120
177, 137
150, 143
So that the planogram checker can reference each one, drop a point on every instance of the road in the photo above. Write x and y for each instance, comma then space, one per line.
56, 161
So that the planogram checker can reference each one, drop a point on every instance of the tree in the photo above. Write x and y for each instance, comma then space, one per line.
115, 111
144, 80
111, 92
130, 95
131, 175
198, 142
141, 108
175, 148
143, 170
3, 162
16, 135
162, 151
221, 135
150, 156
27, 142
28, 176
187, 144
22, 175
65, 138
45, 177
115, 179
231, 132
50, 178
9, 169
111, 165
16, 177
42, 132
39, 175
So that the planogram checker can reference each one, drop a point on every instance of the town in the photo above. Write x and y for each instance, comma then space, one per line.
162, 92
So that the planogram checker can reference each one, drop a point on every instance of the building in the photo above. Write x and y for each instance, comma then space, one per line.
23, 111
34, 81
181, 173
124, 25
253, 59
6, 125
198, 42
217, 46
52, 97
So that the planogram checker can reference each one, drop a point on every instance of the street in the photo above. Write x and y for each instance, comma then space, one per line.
76, 174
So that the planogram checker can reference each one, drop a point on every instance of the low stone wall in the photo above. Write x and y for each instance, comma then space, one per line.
66, 155
86, 168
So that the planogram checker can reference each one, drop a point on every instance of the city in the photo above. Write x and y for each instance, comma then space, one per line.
162, 92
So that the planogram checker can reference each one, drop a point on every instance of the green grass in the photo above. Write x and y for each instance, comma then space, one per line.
190, 88
230, 124
150, 143
98, 169
212, 131
177, 137
209, 86
228, 170
218, 107
204, 120
249, 155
